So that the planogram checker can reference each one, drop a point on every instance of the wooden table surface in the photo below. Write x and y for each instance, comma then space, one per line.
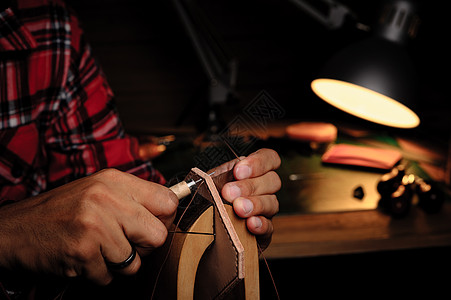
310, 224
357, 232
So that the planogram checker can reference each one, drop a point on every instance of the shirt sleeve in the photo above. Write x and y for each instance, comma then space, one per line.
87, 135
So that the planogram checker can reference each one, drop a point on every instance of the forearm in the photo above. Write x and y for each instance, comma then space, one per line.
6, 237
12, 279
15, 242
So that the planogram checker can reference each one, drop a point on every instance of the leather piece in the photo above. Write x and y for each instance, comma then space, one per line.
218, 271
217, 275
197, 205
221, 179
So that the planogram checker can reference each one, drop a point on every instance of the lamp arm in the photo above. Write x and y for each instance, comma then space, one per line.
218, 65
332, 19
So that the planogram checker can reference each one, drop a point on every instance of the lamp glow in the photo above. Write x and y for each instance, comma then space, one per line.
365, 103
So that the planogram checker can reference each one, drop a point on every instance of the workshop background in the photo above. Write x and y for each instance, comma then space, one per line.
160, 84
160, 89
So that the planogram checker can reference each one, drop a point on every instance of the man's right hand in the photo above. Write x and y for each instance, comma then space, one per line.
74, 229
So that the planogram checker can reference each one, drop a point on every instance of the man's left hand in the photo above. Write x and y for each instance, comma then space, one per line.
253, 194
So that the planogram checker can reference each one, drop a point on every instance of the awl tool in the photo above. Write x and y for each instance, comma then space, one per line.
185, 188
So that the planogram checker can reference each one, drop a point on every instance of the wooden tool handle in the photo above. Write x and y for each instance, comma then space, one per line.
181, 189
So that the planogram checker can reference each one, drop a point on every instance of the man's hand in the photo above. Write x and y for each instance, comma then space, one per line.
74, 229
253, 194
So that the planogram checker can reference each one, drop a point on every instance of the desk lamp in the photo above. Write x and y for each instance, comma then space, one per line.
374, 79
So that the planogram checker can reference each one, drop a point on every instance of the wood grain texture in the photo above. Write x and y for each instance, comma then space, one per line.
192, 251
357, 232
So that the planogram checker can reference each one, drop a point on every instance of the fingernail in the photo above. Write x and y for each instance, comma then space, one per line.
71, 273
257, 222
243, 172
234, 192
247, 206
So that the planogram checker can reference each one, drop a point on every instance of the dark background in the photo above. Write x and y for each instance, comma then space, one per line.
156, 76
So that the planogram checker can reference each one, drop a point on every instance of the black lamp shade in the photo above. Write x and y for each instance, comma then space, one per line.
373, 79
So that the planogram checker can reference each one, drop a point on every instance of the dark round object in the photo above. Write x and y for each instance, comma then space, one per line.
431, 197
399, 202
390, 182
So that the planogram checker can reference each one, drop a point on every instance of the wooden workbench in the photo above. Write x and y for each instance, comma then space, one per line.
357, 232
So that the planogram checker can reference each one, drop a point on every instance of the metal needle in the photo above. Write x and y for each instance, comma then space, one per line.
184, 188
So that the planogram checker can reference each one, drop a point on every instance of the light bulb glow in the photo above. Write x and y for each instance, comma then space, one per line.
365, 103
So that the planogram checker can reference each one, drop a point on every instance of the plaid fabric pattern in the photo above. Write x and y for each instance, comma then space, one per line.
57, 116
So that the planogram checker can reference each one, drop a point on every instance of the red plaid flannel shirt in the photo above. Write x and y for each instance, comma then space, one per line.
57, 117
